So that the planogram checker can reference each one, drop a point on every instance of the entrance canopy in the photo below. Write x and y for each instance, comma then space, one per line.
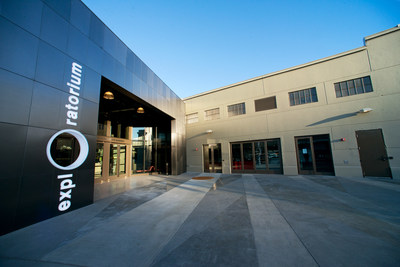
124, 108
132, 137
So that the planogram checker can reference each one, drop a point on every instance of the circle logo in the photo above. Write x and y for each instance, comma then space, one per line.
83, 149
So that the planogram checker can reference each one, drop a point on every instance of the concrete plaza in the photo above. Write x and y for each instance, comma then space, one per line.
230, 220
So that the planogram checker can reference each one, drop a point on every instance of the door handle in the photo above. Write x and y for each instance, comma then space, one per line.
383, 158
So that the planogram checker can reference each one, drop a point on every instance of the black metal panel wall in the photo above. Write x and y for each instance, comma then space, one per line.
52, 57
36, 64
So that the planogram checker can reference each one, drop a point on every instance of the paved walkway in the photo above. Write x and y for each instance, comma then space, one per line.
230, 220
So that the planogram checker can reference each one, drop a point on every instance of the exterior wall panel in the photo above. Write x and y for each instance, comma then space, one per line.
41, 40
337, 117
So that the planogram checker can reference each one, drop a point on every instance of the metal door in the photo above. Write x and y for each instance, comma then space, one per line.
373, 156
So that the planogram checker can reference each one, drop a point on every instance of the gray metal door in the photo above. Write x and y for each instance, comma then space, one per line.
373, 155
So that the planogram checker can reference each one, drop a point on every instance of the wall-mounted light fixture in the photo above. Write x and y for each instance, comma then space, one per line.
108, 95
365, 110
140, 110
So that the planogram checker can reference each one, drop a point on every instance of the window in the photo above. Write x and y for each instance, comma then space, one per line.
237, 109
211, 114
262, 156
265, 103
192, 118
303, 96
353, 87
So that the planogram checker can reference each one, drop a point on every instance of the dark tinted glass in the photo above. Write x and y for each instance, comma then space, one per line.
274, 155
359, 88
314, 97
323, 155
337, 90
352, 90
343, 87
65, 149
354, 87
236, 157
248, 156
367, 84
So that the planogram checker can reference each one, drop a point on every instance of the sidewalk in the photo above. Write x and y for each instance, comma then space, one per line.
230, 220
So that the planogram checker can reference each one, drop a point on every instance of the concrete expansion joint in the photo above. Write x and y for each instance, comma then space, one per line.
264, 214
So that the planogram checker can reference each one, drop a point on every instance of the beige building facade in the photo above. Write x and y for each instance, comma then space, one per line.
334, 116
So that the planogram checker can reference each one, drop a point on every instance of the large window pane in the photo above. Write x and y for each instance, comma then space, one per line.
343, 87
303, 96
236, 109
137, 149
322, 153
248, 156
367, 84
337, 90
259, 151
314, 97
274, 155
217, 156
122, 159
291, 97
305, 154
113, 160
353, 87
98, 165
359, 87
236, 157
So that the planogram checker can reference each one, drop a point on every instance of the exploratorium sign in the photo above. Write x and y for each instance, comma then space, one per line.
68, 149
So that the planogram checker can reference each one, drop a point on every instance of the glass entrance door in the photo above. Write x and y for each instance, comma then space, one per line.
305, 157
117, 161
98, 165
262, 156
314, 155
212, 158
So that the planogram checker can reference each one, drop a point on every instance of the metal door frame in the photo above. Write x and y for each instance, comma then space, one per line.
314, 171
384, 157
212, 162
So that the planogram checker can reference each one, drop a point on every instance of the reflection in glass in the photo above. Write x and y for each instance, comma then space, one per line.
122, 159
207, 158
101, 129
236, 157
217, 158
98, 165
248, 156
274, 157
113, 160
65, 149
259, 151
254, 155
142, 149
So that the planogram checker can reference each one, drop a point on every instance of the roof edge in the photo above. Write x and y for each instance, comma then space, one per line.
379, 34
353, 51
